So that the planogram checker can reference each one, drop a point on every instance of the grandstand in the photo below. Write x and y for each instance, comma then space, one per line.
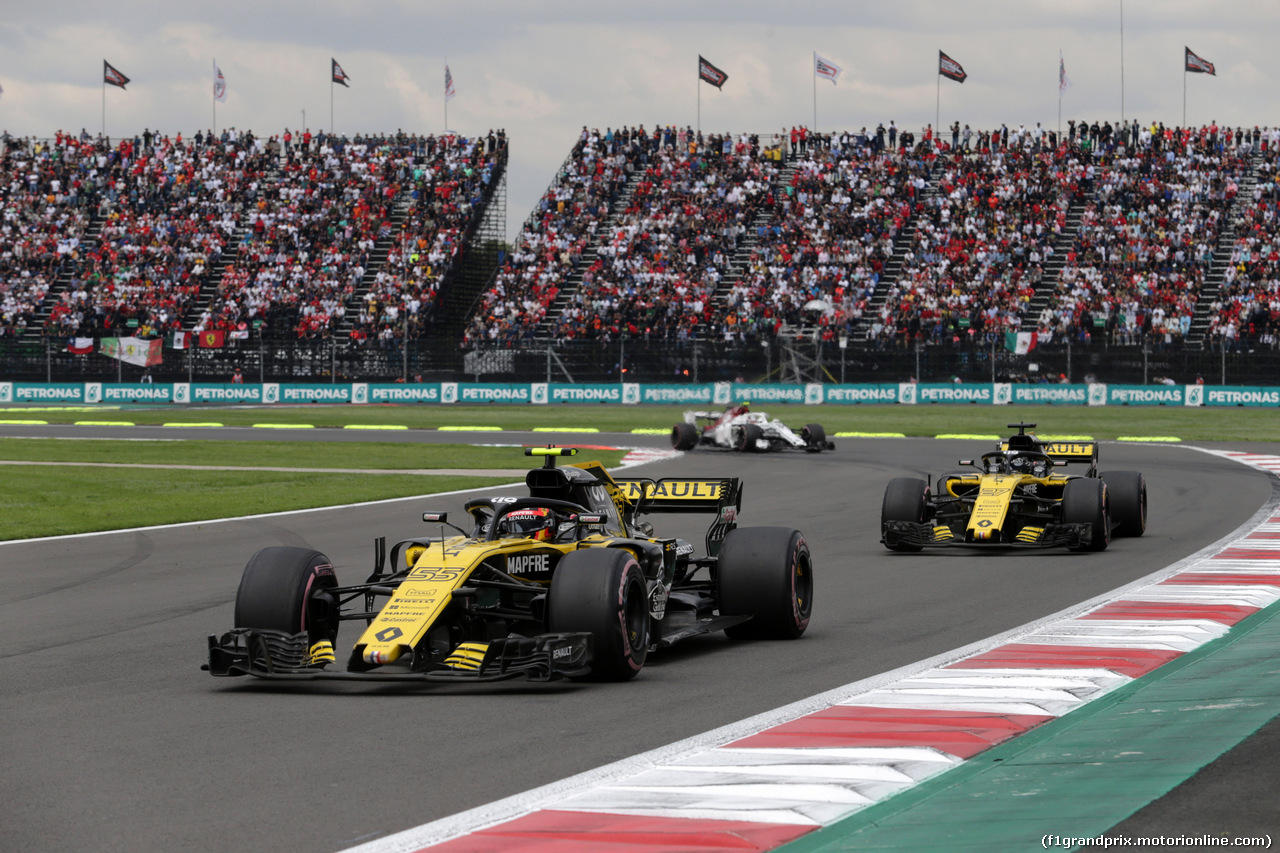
658, 254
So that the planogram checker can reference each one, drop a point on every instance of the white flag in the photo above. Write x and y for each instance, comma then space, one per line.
826, 68
1064, 82
448, 85
219, 84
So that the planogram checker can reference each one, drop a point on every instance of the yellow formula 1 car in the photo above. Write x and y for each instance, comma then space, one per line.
1016, 499
567, 582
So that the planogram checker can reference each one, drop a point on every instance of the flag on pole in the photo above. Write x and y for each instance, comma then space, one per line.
448, 85
950, 69
212, 340
339, 76
219, 84
1064, 82
112, 76
826, 68
1020, 343
1199, 66
708, 72
180, 340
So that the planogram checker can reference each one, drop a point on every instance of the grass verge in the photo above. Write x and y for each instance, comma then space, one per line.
53, 501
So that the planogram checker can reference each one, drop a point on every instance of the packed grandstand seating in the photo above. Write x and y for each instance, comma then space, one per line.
1246, 311
308, 213
661, 234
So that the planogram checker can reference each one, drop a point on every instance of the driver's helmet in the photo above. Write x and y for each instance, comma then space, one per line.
1019, 464
994, 464
533, 523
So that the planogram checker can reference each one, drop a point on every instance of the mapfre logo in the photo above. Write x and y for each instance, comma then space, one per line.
528, 564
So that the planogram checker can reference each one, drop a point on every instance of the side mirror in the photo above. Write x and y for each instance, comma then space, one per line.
965, 462
436, 517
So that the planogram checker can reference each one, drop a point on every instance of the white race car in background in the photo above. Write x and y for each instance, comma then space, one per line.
739, 428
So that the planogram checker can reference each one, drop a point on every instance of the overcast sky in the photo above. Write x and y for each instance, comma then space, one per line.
542, 70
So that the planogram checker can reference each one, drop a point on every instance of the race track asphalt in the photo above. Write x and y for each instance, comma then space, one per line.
116, 741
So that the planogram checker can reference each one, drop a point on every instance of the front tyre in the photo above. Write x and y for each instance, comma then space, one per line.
748, 438
601, 591
1128, 492
767, 572
905, 499
287, 589
1085, 501
815, 438
684, 436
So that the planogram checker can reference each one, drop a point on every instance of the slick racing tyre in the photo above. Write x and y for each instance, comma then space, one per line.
601, 591
815, 438
684, 437
1128, 492
1084, 501
287, 589
766, 571
747, 438
905, 499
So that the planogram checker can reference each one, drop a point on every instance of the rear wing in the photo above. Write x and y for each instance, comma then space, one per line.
723, 497
1085, 452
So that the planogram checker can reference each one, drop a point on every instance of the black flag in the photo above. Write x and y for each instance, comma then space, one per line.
1198, 65
950, 69
339, 76
708, 72
112, 76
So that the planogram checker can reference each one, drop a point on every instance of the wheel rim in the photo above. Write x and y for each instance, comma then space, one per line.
635, 620
802, 588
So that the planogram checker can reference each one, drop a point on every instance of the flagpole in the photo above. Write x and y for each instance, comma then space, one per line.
104, 103
1122, 61
1184, 90
699, 85
937, 109
446, 99
215, 94
331, 103
815, 91
1061, 72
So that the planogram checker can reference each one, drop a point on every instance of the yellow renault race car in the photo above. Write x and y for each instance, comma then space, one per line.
567, 582
1016, 499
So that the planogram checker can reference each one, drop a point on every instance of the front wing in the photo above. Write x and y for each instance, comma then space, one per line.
280, 655
921, 535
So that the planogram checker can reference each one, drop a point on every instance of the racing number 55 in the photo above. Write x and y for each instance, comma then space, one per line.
429, 574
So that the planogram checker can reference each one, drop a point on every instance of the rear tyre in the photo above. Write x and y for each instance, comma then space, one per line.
905, 499
747, 438
684, 436
815, 438
1128, 493
601, 591
767, 572
1084, 501
287, 589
